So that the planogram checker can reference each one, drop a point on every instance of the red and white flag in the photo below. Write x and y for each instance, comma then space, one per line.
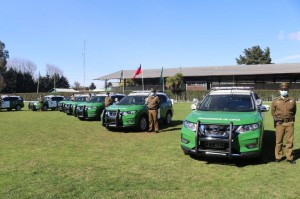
138, 71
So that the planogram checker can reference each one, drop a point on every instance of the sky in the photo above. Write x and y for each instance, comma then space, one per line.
87, 39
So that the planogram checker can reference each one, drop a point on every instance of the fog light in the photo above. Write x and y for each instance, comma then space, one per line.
185, 141
251, 146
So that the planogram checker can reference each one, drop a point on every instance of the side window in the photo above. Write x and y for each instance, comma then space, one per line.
162, 99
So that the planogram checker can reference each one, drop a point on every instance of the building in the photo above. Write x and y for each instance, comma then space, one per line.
265, 76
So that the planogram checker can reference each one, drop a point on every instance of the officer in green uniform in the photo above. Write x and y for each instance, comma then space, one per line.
153, 106
283, 111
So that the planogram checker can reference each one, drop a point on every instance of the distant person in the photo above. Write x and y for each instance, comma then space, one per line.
41, 100
108, 100
153, 106
72, 97
89, 97
283, 111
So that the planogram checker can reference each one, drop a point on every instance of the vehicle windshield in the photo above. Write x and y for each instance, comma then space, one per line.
133, 100
98, 99
228, 103
80, 99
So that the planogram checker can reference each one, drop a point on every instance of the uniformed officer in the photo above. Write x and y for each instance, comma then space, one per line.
283, 111
153, 106
108, 100
41, 100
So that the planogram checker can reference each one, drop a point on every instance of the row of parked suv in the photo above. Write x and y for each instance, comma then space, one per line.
228, 122
125, 112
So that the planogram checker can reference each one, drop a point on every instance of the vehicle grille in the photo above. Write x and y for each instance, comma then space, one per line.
215, 131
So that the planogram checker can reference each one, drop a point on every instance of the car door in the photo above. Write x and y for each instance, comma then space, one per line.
6, 102
162, 106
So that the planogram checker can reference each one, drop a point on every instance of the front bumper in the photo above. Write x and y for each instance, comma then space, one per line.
246, 145
115, 119
84, 113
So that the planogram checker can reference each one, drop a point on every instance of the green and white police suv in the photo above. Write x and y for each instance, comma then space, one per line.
11, 102
49, 102
228, 122
132, 111
71, 106
93, 108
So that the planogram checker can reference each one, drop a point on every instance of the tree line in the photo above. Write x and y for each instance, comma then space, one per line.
17, 75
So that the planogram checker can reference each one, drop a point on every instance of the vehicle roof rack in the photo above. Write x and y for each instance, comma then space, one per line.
233, 88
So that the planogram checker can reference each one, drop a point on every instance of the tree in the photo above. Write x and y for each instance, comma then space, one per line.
3, 56
76, 85
22, 65
92, 86
255, 55
174, 83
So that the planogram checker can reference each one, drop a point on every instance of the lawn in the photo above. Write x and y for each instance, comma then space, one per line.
53, 155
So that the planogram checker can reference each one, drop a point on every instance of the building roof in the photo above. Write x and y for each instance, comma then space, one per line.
63, 90
289, 68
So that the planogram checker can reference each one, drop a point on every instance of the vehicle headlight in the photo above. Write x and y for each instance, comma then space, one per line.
247, 127
129, 112
190, 125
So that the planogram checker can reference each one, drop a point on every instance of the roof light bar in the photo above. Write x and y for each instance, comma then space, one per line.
233, 88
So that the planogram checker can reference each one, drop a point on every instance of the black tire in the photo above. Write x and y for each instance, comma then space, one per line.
45, 108
168, 119
18, 108
143, 123
186, 152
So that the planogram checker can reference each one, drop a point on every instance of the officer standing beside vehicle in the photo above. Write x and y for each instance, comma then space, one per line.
41, 100
153, 106
108, 100
283, 111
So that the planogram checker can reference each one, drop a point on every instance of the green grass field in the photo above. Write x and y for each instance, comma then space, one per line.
53, 155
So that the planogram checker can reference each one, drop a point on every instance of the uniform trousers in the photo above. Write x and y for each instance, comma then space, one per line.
153, 120
285, 129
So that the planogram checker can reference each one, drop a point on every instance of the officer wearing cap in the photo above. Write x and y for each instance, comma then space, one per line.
153, 106
283, 110
108, 100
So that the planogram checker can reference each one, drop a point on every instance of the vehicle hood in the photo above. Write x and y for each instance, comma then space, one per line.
73, 102
89, 104
224, 117
126, 107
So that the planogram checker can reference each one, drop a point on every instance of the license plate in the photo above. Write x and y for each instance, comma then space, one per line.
214, 145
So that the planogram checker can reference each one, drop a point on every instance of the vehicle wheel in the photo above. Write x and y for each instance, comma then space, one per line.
143, 124
185, 152
168, 119
18, 108
45, 108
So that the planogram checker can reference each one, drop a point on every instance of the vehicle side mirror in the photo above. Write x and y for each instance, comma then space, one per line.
258, 102
194, 105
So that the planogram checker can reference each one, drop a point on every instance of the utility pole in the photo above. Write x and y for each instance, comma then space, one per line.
83, 65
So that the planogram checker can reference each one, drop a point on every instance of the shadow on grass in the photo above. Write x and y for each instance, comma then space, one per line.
266, 156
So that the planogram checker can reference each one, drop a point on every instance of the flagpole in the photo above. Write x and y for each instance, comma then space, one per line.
123, 79
142, 77
38, 84
163, 81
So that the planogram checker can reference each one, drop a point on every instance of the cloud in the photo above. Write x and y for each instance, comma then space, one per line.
288, 58
295, 36
292, 36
